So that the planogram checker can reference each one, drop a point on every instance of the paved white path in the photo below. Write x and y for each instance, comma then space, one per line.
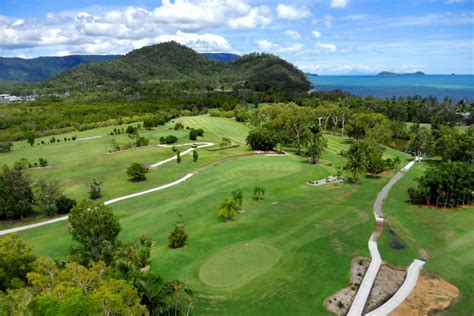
187, 151
357, 307
63, 218
408, 285
87, 138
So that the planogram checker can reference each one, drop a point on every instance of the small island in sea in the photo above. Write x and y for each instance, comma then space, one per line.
388, 73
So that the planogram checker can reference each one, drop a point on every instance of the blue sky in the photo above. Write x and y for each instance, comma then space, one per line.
319, 36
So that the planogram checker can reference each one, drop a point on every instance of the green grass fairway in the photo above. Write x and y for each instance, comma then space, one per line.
238, 264
301, 239
447, 235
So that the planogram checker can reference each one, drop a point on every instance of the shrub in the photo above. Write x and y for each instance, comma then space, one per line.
195, 133
178, 236
258, 193
131, 130
170, 139
195, 156
95, 190
137, 171
142, 141
261, 139
43, 162
178, 126
178, 156
64, 204
5, 147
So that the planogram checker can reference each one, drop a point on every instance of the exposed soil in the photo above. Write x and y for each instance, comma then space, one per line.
340, 302
428, 297
387, 282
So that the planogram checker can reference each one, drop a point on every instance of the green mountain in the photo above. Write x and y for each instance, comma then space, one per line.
225, 57
42, 68
174, 62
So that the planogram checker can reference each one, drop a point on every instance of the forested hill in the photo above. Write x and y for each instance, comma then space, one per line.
225, 57
171, 61
42, 68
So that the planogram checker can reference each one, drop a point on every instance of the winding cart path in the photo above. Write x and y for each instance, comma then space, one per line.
121, 198
357, 307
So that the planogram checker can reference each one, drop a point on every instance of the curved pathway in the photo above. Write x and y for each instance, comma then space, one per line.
63, 218
357, 307
187, 151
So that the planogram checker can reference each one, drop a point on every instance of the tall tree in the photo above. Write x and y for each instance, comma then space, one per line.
95, 227
357, 160
16, 260
420, 142
16, 194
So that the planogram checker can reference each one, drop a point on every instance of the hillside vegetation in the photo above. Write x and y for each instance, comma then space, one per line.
42, 68
174, 62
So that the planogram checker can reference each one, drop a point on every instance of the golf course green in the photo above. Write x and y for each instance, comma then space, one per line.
285, 254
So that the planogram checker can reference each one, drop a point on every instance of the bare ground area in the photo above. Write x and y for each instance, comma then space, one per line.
340, 302
387, 282
428, 297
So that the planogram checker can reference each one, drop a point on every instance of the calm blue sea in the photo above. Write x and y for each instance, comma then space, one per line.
457, 87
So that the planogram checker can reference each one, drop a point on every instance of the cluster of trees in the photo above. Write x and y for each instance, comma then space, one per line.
447, 184
443, 141
20, 197
101, 276
170, 139
24, 163
137, 172
195, 133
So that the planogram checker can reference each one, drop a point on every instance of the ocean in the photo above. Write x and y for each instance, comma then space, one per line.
457, 87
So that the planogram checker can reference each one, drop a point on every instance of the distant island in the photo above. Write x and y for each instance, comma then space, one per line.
388, 73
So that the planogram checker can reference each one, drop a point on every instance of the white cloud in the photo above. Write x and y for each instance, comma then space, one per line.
256, 17
339, 3
316, 34
325, 47
289, 12
328, 21
293, 34
264, 44
275, 48
87, 32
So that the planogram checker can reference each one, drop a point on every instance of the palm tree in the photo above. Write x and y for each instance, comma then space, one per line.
227, 210
258, 193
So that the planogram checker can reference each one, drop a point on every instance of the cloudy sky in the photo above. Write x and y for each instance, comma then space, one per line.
320, 36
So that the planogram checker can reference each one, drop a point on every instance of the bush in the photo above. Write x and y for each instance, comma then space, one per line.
64, 205
178, 156
131, 130
43, 162
170, 139
261, 139
242, 116
137, 171
5, 147
195, 133
178, 236
142, 141
178, 126
95, 191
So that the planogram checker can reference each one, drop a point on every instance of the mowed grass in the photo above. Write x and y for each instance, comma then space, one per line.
447, 236
76, 164
308, 234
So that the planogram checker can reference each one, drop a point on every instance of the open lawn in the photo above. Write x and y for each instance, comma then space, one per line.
282, 256
447, 236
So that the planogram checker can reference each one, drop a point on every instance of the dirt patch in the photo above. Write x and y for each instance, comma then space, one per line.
340, 302
348, 194
387, 282
428, 297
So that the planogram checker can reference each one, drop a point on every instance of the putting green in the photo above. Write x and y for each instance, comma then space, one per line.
273, 169
238, 264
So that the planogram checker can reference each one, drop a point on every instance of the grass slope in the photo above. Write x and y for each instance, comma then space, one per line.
313, 232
